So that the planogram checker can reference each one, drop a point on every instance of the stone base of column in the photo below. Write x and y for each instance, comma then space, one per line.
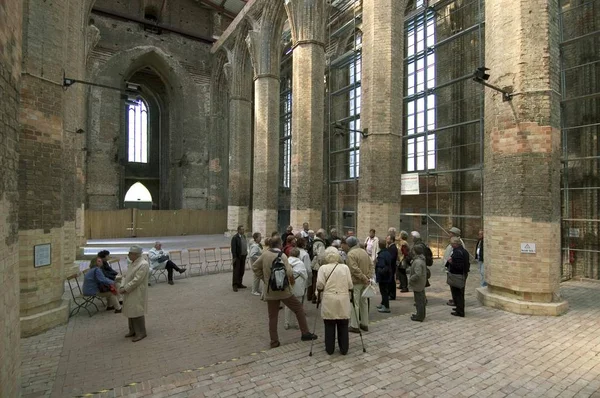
311, 216
264, 221
505, 303
236, 216
377, 216
32, 325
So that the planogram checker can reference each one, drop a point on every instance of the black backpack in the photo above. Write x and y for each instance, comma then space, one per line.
278, 281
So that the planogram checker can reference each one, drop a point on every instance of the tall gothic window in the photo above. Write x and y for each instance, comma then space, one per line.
354, 98
420, 104
286, 131
137, 132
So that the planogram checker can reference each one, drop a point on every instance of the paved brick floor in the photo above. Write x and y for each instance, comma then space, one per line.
205, 340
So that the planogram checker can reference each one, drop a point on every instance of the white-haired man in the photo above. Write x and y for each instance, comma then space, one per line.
135, 294
453, 233
160, 259
361, 269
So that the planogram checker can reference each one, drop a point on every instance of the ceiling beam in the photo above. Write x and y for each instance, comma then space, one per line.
217, 7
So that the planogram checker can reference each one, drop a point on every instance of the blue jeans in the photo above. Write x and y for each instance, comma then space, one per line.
482, 273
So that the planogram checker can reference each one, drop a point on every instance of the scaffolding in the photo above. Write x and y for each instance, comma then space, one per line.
580, 125
343, 85
443, 119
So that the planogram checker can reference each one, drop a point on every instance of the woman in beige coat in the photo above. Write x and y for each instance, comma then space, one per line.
334, 284
135, 294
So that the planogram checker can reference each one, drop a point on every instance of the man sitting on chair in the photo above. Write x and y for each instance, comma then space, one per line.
160, 259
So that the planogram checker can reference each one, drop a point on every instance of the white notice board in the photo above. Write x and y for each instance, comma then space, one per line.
409, 184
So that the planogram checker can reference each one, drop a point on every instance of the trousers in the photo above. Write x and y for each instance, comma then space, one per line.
137, 326
458, 295
420, 304
239, 267
293, 304
342, 335
403, 278
361, 307
170, 266
384, 289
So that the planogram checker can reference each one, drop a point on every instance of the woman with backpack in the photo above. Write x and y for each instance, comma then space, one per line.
334, 287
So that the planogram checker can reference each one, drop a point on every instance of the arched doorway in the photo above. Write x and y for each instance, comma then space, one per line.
138, 197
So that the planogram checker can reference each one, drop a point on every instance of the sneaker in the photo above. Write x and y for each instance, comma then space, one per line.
256, 293
379, 306
309, 337
384, 310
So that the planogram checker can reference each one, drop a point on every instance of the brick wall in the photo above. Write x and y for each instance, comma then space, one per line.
10, 73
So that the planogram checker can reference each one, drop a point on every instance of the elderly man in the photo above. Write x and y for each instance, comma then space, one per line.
458, 266
361, 269
135, 294
239, 252
417, 281
262, 269
160, 259
288, 232
453, 232
372, 245
304, 232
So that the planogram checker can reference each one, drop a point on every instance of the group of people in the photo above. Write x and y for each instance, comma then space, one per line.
128, 294
336, 273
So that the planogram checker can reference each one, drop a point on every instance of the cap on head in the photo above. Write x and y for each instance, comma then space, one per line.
415, 234
455, 231
352, 241
136, 249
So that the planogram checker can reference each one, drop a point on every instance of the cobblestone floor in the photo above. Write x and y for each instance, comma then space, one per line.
205, 340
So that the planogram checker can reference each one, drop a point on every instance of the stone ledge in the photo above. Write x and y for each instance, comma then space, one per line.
518, 306
46, 320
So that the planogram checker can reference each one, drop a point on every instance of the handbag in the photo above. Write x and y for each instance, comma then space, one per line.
369, 292
455, 280
162, 258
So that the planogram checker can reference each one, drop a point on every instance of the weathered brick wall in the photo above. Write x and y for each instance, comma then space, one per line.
46, 178
10, 74
185, 66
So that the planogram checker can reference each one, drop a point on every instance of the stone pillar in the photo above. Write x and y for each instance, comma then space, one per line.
308, 20
264, 43
522, 159
381, 115
239, 75
11, 19
42, 187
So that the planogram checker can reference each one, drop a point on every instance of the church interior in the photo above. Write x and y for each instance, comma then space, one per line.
148, 118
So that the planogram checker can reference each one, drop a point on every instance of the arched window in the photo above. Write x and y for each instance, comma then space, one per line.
138, 193
137, 132
420, 81
354, 99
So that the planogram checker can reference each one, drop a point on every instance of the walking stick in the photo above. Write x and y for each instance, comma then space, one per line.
359, 331
312, 342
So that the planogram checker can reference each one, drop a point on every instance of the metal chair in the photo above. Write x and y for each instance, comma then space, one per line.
80, 300
226, 259
210, 257
195, 259
118, 262
177, 258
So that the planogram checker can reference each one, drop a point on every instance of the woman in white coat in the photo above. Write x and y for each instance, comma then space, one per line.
334, 284
135, 294
299, 288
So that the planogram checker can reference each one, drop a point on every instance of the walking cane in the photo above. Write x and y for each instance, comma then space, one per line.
359, 331
314, 327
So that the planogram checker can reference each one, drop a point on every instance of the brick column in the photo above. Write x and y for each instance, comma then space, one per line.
522, 159
381, 114
11, 20
42, 185
239, 75
308, 24
264, 43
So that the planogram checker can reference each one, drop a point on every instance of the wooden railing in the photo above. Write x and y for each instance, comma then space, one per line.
146, 223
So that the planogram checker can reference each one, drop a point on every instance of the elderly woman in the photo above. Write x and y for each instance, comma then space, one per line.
289, 245
403, 253
334, 286
96, 284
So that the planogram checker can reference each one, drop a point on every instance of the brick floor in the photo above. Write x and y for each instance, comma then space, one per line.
205, 340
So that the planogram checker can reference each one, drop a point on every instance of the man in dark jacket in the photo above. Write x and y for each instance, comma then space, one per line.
107, 270
239, 251
458, 266
384, 275
393, 249
479, 258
